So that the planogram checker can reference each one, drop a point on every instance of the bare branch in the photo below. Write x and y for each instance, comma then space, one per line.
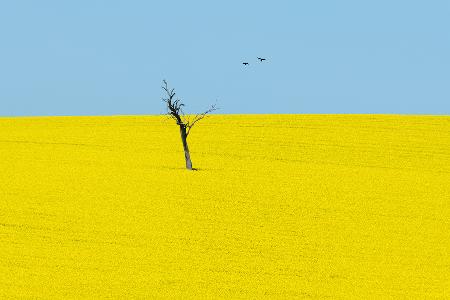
198, 117
173, 106
175, 109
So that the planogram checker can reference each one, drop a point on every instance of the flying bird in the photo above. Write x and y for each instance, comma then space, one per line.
245, 63
261, 59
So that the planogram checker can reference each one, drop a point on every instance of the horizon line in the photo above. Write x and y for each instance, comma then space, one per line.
230, 114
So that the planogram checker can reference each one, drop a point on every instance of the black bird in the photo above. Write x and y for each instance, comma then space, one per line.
245, 63
261, 59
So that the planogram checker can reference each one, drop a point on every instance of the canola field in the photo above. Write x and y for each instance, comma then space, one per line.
281, 206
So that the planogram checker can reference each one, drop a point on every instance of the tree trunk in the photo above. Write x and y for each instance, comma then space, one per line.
187, 156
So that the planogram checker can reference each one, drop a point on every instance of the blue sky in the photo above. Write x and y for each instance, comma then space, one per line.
92, 57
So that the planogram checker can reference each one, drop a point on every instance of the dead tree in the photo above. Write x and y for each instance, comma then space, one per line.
175, 111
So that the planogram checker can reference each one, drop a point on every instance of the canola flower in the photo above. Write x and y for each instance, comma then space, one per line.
281, 206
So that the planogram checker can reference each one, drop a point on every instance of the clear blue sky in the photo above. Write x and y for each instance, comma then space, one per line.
92, 57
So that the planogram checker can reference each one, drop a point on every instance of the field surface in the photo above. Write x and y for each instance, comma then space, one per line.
281, 206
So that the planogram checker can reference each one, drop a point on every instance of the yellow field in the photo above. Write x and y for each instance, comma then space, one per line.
281, 206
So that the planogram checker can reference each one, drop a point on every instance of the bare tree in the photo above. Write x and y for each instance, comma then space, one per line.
175, 111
